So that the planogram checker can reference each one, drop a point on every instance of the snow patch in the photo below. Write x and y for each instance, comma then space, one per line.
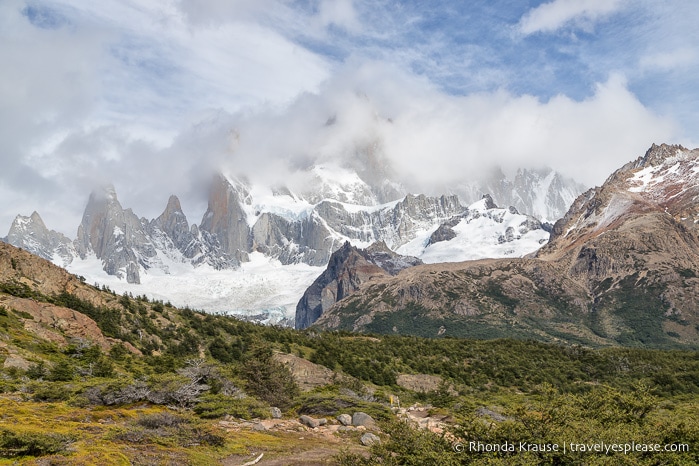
482, 234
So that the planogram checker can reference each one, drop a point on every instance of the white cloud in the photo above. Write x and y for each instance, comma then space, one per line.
433, 139
669, 60
443, 139
94, 90
551, 16
341, 13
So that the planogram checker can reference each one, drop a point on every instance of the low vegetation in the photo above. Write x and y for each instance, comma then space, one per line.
170, 376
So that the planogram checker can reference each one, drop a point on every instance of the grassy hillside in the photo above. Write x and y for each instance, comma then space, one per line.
92, 377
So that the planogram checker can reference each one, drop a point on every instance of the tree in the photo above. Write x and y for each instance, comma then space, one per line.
267, 379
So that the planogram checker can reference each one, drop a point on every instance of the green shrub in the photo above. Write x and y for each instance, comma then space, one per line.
14, 444
268, 379
49, 391
217, 406
62, 371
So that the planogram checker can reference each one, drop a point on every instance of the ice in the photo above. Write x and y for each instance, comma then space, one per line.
261, 286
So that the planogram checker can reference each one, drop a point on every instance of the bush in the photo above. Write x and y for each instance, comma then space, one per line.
159, 420
217, 406
14, 444
117, 393
37, 371
62, 371
49, 392
169, 429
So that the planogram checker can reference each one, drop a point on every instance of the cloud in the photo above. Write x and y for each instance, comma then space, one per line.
153, 96
442, 140
669, 60
340, 13
434, 140
101, 90
552, 16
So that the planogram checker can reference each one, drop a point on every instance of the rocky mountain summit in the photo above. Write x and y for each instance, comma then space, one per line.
543, 193
622, 266
31, 233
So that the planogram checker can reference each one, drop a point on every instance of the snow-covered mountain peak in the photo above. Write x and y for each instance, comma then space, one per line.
31, 233
328, 181
484, 230
250, 227
675, 170
665, 180
486, 203
278, 201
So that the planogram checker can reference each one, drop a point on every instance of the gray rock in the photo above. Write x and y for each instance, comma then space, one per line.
347, 269
276, 413
363, 419
444, 232
30, 233
369, 439
116, 236
322, 421
259, 427
225, 217
483, 411
345, 419
308, 421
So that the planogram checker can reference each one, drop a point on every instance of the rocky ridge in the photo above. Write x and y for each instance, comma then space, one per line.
348, 268
622, 267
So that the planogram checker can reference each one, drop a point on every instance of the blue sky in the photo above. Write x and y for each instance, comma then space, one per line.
153, 95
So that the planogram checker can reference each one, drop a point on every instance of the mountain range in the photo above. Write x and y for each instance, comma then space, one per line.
257, 248
621, 267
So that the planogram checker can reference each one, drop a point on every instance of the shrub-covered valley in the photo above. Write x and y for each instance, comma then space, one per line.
92, 377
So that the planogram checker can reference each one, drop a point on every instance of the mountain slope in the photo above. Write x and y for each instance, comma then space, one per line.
89, 377
347, 269
621, 268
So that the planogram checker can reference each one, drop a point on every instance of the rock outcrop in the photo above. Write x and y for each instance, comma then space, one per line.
225, 217
347, 270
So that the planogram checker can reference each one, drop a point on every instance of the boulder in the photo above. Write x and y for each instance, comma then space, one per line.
363, 419
345, 419
369, 439
309, 421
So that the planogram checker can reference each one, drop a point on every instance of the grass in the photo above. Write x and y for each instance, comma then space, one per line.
98, 434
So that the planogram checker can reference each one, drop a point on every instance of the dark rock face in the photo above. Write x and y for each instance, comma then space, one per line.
173, 223
392, 262
347, 269
444, 232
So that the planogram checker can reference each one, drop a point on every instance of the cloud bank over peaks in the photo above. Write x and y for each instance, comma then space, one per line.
431, 140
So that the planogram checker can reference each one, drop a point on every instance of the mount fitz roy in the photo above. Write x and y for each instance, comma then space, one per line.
249, 229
